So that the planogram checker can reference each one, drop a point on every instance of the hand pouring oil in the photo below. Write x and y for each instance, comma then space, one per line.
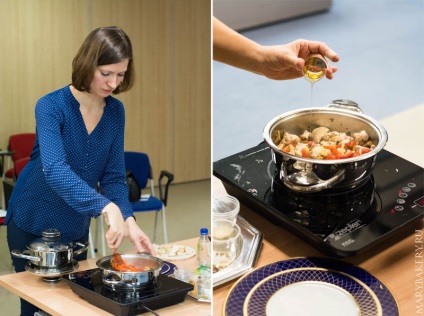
314, 69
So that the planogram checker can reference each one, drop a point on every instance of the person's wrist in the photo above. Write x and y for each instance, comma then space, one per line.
130, 220
258, 59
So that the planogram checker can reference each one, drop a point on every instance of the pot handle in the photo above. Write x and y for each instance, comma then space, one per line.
113, 279
317, 185
23, 255
345, 105
80, 251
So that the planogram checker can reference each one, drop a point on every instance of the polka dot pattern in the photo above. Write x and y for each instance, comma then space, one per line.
57, 189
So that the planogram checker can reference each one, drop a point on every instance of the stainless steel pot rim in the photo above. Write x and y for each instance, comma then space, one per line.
105, 262
295, 113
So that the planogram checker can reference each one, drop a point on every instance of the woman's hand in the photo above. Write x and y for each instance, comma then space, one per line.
284, 62
280, 62
117, 229
139, 239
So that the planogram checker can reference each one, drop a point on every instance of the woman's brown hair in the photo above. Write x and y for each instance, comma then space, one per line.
103, 46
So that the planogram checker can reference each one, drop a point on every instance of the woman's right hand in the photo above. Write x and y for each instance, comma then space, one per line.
117, 229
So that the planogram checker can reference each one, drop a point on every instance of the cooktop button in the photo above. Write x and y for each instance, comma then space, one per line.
400, 201
398, 208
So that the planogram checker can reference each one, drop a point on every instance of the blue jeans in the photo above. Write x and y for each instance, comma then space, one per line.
19, 239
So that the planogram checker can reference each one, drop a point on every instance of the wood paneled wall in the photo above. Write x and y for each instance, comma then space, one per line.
168, 110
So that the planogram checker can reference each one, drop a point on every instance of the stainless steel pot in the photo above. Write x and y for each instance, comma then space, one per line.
49, 252
312, 175
130, 280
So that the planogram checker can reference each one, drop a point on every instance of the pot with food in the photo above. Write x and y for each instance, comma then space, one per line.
319, 148
49, 252
129, 271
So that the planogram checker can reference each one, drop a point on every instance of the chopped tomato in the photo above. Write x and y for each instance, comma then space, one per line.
305, 152
340, 156
287, 149
119, 264
331, 157
347, 155
362, 151
352, 144
333, 149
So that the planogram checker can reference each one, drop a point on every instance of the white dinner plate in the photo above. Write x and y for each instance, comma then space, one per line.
327, 292
274, 288
174, 252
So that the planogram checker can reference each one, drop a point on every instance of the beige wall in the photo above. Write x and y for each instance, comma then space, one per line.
168, 110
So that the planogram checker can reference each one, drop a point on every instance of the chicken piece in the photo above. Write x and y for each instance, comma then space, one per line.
327, 143
336, 137
290, 139
361, 137
318, 133
319, 152
299, 147
305, 136
287, 148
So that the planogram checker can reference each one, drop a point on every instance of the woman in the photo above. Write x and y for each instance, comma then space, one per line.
77, 168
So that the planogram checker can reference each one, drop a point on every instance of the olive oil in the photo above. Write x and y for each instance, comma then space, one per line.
314, 69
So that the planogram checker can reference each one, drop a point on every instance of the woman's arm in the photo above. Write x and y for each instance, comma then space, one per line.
280, 62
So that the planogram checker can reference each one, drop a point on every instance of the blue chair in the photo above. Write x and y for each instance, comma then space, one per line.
139, 165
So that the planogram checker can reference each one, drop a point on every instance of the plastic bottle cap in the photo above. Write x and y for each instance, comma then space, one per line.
204, 231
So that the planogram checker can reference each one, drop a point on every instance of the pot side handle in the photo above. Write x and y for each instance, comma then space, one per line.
308, 186
23, 255
80, 251
345, 105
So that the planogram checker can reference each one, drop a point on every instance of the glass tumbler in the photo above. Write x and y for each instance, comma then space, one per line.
225, 207
226, 243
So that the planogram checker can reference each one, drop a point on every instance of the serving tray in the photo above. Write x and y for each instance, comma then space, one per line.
252, 244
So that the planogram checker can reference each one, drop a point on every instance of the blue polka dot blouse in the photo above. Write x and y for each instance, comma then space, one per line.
57, 188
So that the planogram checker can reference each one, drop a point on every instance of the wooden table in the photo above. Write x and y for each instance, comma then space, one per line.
397, 266
58, 298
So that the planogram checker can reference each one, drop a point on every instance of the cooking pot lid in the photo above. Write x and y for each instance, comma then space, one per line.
49, 242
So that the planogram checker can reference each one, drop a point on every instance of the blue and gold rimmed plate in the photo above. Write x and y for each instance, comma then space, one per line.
277, 286
327, 293
167, 268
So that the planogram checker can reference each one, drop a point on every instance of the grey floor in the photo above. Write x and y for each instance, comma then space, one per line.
381, 49
188, 210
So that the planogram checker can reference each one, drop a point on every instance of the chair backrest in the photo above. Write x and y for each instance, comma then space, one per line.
22, 144
139, 164
19, 165
7, 191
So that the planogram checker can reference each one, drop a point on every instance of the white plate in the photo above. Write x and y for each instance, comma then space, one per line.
328, 293
174, 252
324, 299
253, 294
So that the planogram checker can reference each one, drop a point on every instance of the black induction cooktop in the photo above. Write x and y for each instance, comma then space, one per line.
166, 291
336, 222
